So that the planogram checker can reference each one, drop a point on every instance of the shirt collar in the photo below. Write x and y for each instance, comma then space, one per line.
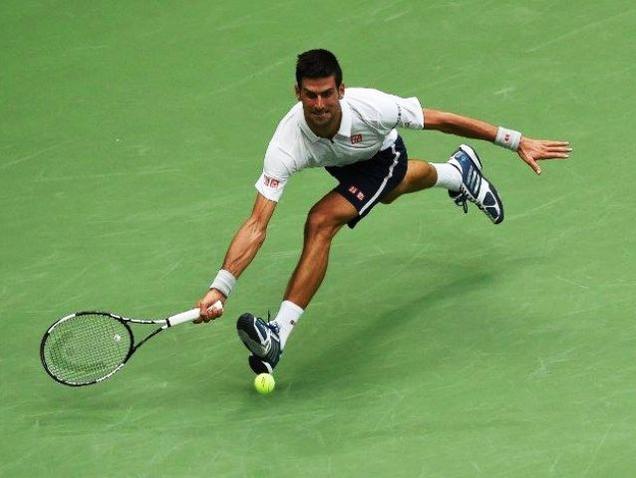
345, 123
345, 120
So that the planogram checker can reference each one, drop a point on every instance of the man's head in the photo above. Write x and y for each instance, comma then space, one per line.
317, 64
319, 87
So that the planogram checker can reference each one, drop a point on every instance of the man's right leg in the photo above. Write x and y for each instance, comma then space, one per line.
323, 222
267, 340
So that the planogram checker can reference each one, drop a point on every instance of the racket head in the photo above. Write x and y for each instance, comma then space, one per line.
86, 347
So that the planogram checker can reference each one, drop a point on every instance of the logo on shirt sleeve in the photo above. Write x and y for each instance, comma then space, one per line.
356, 138
270, 182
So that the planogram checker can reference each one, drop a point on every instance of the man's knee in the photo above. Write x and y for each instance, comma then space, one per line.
321, 223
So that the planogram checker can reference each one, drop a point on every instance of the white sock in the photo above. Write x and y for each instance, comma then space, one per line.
287, 317
447, 176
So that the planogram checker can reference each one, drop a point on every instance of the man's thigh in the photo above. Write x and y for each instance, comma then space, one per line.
333, 210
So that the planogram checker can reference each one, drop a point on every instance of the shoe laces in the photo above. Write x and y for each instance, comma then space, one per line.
271, 325
463, 198
462, 201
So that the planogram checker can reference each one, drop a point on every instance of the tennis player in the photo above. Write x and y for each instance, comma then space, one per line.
353, 134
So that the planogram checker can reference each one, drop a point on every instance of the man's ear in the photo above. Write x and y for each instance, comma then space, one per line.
297, 91
341, 91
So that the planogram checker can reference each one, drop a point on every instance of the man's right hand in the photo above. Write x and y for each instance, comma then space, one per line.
206, 310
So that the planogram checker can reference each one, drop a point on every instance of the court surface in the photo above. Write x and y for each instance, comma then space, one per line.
131, 134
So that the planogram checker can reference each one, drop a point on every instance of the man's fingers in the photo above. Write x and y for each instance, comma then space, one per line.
559, 149
552, 152
537, 150
532, 163
204, 318
212, 314
215, 310
206, 314
549, 142
560, 156
199, 320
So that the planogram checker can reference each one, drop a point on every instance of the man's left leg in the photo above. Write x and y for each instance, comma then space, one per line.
419, 175
461, 175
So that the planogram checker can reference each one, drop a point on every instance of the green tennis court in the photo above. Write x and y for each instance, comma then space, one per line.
131, 135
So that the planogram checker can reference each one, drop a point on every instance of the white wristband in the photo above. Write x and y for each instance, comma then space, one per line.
508, 138
224, 282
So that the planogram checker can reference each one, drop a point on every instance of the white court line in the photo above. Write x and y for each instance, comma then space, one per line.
33, 155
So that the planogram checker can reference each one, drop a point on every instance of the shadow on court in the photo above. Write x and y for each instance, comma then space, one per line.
365, 348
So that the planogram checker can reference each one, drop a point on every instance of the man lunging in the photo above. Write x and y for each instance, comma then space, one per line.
353, 134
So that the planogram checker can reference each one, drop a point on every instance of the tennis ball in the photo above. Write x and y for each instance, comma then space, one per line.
264, 383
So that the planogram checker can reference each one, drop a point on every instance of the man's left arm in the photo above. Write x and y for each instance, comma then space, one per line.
529, 150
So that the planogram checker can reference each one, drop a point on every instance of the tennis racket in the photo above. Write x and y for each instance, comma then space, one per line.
87, 347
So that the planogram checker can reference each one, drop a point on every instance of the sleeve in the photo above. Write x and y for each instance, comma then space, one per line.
410, 113
397, 112
275, 172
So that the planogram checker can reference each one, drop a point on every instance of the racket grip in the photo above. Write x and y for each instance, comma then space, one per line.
190, 315
183, 317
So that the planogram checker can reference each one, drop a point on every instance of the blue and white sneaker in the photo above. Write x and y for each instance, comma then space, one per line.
475, 187
261, 338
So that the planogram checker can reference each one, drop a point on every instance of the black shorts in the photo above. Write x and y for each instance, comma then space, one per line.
365, 183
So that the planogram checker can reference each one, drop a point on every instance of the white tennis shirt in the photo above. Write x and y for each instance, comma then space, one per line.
368, 125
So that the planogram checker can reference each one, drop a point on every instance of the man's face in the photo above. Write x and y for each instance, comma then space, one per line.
320, 99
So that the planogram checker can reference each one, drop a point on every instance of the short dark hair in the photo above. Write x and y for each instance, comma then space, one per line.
318, 64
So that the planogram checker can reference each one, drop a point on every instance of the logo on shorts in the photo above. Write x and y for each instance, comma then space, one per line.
356, 138
271, 182
356, 193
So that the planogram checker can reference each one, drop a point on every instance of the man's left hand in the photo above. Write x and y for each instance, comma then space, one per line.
533, 150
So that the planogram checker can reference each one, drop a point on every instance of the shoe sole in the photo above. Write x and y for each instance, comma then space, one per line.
494, 192
256, 347
474, 157
259, 365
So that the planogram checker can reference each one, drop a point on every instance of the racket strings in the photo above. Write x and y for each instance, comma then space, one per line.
85, 348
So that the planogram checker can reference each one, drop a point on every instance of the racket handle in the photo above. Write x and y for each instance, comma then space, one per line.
190, 315
183, 317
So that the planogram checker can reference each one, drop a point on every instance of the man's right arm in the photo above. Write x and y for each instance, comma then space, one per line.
243, 248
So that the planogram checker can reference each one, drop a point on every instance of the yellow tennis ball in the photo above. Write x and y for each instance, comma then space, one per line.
264, 383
